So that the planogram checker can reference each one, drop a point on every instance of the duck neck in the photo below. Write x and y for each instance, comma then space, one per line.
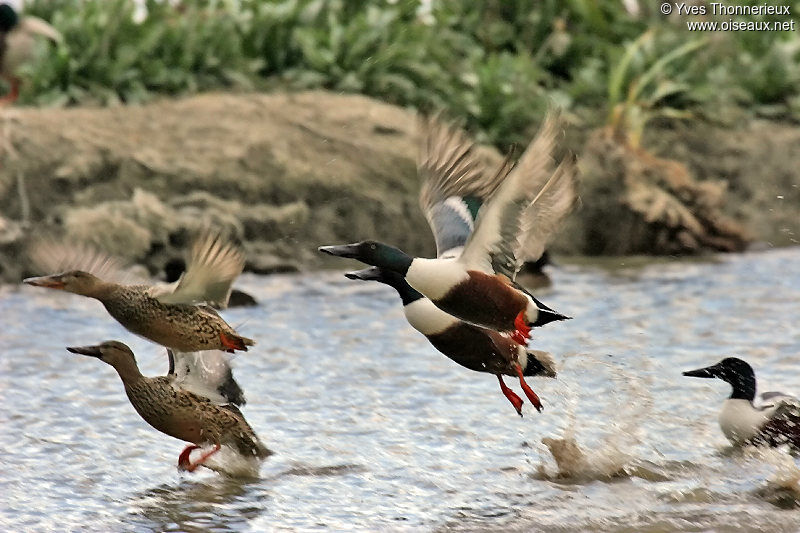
392, 259
102, 290
407, 293
744, 387
128, 372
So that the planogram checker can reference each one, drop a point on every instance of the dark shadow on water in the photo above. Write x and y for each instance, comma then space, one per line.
784, 498
214, 504
334, 470
738, 452
218, 503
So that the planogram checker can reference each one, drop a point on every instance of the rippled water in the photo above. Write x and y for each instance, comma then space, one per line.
374, 430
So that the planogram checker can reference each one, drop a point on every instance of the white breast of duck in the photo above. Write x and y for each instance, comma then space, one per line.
428, 319
740, 421
435, 277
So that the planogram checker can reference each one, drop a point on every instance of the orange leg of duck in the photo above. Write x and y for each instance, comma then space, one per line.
522, 332
183, 458
12, 96
534, 399
515, 400
184, 463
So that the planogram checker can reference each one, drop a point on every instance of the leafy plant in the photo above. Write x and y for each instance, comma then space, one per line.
109, 56
497, 63
641, 84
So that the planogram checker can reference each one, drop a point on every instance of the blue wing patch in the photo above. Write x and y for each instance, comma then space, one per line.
452, 221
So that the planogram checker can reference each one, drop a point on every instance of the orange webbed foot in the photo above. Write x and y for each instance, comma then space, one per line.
183, 458
532, 396
186, 465
522, 330
515, 400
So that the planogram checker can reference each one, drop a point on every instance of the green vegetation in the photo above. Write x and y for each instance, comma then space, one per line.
497, 63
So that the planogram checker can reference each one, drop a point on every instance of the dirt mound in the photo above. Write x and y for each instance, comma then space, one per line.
639, 203
282, 172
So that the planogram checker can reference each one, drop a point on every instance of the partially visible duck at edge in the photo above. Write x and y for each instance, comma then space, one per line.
473, 347
533, 275
17, 45
178, 412
178, 316
477, 285
775, 422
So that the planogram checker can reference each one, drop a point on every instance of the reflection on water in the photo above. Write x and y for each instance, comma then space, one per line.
215, 504
374, 430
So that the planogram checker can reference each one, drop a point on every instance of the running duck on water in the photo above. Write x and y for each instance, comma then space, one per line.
170, 408
455, 185
17, 44
775, 422
476, 283
179, 316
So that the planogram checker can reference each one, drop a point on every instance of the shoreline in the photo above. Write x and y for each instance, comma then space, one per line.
285, 172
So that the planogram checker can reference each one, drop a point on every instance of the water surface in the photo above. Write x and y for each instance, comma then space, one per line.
374, 430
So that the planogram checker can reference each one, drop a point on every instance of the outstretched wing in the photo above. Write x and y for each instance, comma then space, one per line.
207, 373
544, 216
455, 183
493, 246
213, 264
52, 256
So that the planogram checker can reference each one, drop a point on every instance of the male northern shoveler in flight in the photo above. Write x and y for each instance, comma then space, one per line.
168, 405
177, 316
455, 185
17, 44
773, 423
476, 284
473, 347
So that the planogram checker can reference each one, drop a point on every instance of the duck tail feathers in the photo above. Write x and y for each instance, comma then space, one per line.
231, 341
231, 390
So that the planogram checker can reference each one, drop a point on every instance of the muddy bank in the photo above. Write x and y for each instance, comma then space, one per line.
284, 173
281, 172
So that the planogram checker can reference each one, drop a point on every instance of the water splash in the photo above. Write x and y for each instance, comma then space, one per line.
613, 457
782, 488
229, 462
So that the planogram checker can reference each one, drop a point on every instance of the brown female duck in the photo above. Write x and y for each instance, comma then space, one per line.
177, 412
175, 316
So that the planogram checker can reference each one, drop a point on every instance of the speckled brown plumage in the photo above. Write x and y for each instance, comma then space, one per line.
186, 328
177, 412
182, 327
192, 418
